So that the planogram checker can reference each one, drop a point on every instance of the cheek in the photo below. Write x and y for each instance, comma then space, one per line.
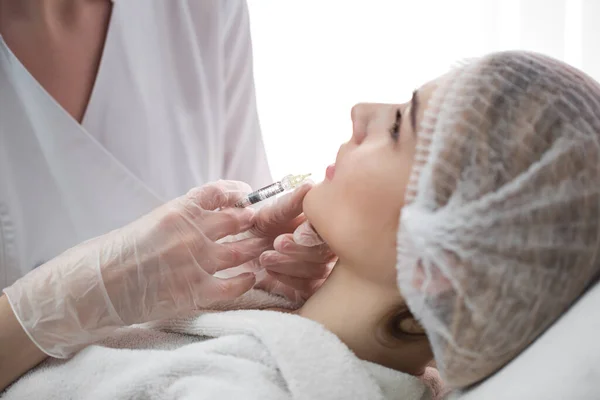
368, 179
357, 212
324, 207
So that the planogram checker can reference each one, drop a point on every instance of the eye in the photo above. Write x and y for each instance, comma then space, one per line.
395, 129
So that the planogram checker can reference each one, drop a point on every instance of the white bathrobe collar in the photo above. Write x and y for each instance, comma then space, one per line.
313, 361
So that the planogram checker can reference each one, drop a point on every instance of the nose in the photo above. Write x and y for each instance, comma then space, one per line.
365, 114
361, 115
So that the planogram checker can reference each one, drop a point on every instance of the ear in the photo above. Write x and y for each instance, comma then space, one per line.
428, 277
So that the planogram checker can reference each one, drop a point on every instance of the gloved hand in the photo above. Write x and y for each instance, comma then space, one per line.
299, 262
159, 266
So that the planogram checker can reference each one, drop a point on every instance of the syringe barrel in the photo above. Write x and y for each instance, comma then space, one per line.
287, 183
261, 194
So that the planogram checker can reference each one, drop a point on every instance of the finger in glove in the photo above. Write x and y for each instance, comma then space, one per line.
232, 254
285, 244
219, 194
229, 288
286, 265
306, 235
305, 286
283, 215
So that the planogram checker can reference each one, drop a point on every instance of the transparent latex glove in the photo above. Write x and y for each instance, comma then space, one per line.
159, 266
299, 261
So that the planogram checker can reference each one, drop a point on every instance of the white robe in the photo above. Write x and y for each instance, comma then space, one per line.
173, 107
246, 354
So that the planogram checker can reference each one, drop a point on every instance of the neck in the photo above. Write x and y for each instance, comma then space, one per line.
49, 13
356, 310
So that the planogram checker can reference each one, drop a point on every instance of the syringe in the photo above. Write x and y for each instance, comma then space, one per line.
287, 183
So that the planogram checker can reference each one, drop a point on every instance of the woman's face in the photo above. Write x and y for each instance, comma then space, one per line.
356, 209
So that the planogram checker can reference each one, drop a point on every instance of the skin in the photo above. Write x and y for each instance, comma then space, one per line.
357, 213
60, 43
18, 354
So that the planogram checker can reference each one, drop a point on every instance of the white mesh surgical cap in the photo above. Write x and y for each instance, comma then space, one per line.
500, 232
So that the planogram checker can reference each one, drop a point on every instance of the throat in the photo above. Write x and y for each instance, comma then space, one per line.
60, 44
361, 313
353, 308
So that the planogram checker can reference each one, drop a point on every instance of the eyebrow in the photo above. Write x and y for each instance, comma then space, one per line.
414, 106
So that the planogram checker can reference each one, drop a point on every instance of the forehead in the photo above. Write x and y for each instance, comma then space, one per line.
428, 88
426, 92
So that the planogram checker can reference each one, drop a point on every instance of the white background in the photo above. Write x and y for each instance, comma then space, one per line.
314, 59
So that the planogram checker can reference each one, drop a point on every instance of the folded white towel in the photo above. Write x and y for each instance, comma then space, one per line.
247, 354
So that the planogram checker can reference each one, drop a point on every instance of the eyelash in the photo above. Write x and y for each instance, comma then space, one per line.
395, 129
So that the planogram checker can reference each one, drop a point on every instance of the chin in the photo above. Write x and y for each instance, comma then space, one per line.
310, 206
315, 208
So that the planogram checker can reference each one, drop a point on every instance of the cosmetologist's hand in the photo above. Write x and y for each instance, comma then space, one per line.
300, 261
159, 266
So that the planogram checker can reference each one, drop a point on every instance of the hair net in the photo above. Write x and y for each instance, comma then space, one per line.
500, 232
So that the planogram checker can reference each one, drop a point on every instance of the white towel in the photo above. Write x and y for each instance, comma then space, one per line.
247, 354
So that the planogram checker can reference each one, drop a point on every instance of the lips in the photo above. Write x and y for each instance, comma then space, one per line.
330, 172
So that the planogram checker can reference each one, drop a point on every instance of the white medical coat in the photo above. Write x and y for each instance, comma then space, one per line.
173, 107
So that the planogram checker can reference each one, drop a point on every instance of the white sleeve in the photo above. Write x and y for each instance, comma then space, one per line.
245, 158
